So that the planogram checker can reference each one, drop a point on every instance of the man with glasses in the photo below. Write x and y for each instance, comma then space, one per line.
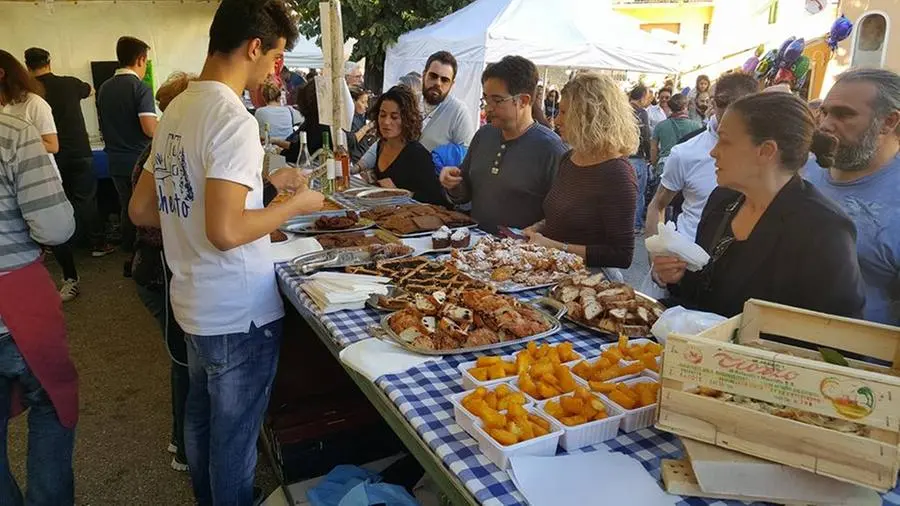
512, 160
690, 169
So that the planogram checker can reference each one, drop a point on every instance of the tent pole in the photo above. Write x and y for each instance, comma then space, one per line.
546, 85
333, 52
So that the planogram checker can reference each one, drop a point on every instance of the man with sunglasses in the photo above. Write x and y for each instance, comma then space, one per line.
512, 160
690, 169
445, 119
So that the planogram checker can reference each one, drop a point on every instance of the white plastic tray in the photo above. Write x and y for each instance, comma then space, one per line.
617, 379
638, 418
470, 383
633, 340
590, 433
467, 420
579, 381
543, 446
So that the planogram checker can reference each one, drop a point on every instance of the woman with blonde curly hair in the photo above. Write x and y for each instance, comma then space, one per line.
590, 208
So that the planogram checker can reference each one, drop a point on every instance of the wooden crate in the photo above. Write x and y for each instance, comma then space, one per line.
718, 359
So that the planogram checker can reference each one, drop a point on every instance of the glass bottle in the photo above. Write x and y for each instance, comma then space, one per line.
304, 160
328, 156
342, 160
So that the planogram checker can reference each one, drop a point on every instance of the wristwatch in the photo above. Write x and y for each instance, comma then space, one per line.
566, 247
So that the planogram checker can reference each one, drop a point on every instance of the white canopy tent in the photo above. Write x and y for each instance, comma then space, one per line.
307, 54
563, 33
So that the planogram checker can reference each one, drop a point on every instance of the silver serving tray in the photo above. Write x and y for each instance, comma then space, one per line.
387, 334
335, 259
591, 327
392, 290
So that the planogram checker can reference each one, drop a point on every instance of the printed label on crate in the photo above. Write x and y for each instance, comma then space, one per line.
756, 374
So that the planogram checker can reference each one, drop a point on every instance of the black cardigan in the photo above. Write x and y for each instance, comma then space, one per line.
803, 255
413, 169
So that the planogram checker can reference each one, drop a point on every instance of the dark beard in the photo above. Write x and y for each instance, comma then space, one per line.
431, 101
856, 157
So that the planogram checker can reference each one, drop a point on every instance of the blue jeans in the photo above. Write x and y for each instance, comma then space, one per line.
641, 168
51, 481
231, 380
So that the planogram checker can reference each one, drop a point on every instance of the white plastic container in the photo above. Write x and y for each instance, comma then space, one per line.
470, 383
467, 420
638, 418
570, 362
591, 433
622, 363
543, 446
639, 341
580, 382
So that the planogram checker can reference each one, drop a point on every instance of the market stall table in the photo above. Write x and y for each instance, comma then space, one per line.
416, 405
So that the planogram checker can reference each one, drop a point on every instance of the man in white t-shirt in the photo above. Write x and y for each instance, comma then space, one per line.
689, 168
203, 185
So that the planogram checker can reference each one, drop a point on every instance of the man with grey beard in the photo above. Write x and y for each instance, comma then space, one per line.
862, 111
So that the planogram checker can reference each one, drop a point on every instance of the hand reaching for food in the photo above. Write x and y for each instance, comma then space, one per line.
386, 183
451, 177
288, 179
306, 201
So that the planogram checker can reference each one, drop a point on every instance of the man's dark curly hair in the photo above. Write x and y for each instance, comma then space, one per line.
410, 118
519, 74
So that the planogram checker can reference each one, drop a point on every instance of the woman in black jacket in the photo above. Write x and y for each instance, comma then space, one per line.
402, 162
770, 234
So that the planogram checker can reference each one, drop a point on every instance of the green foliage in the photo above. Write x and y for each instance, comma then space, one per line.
376, 24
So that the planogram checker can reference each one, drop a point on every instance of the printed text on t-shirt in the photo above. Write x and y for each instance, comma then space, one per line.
176, 195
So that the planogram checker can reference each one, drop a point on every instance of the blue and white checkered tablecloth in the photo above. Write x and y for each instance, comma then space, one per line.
422, 396
344, 327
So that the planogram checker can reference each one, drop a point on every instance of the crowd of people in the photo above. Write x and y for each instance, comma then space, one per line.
794, 206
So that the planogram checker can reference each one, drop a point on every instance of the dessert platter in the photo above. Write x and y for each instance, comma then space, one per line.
416, 275
346, 257
606, 306
344, 221
512, 265
471, 320
415, 220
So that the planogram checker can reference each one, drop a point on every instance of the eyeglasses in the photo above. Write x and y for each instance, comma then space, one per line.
495, 101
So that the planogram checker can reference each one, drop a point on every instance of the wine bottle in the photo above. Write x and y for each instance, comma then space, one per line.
328, 155
342, 158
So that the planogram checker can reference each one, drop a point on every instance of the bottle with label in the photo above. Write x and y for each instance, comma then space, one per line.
330, 172
342, 158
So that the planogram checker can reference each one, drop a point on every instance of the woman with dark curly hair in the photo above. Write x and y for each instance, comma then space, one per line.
402, 161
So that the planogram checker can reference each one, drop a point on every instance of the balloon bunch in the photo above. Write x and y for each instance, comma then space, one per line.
750, 65
787, 64
840, 30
